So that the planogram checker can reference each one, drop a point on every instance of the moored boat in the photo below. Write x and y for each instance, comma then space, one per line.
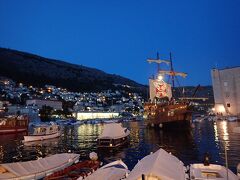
13, 124
43, 132
158, 165
211, 171
37, 169
113, 135
76, 171
113, 171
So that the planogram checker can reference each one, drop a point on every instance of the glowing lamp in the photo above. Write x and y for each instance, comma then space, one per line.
221, 109
160, 77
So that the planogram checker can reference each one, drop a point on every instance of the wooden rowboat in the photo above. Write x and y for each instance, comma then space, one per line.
75, 171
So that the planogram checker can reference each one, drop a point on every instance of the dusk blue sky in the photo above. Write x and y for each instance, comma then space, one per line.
118, 36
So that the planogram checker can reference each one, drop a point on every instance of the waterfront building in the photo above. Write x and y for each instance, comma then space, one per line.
56, 105
226, 88
15, 109
95, 115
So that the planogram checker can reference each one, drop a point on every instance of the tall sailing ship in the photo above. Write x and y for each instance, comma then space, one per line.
163, 110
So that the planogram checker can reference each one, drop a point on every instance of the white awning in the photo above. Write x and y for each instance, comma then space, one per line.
114, 131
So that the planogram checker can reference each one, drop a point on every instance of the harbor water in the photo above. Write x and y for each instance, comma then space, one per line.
189, 147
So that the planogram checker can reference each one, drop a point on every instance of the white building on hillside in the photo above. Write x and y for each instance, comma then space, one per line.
226, 88
56, 105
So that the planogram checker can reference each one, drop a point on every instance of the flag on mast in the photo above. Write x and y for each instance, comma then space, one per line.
159, 89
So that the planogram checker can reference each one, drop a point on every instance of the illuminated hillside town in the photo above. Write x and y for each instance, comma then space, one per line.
28, 99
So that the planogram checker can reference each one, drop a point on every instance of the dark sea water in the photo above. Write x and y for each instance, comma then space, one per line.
188, 146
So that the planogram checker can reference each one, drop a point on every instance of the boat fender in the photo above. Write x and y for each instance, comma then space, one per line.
93, 156
161, 125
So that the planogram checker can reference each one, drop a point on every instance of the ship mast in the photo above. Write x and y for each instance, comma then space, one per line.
158, 64
172, 77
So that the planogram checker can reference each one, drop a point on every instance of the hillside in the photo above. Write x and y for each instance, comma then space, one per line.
38, 71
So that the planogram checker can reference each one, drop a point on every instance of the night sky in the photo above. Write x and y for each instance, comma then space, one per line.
117, 36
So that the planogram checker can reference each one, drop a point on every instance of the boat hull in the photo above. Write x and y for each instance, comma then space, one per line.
81, 169
168, 116
112, 143
13, 124
40, 138
10, 130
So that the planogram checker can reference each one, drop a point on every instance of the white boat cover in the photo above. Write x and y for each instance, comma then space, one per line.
113, 171
199, 171
114, 131
20, 169
161, 165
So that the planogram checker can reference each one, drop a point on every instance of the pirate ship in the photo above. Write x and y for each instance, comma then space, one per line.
163, 109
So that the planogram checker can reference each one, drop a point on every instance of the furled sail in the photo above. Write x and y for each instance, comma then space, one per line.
158, 61
173, 73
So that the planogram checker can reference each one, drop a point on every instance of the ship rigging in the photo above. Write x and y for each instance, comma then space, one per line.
163, 110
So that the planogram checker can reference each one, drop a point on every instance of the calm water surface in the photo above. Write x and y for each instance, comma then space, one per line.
187, 146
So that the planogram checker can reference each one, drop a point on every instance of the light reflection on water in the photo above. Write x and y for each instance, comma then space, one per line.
187, 146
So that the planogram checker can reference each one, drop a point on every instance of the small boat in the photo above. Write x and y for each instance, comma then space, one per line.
232, 118
13, 124
113, 171
53, 142
75, 171
37, 169
211, 171
113, 135
158, 165
43, 132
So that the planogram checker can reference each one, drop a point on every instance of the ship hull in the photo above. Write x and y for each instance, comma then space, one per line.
13, 124
168, 116
10, 130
